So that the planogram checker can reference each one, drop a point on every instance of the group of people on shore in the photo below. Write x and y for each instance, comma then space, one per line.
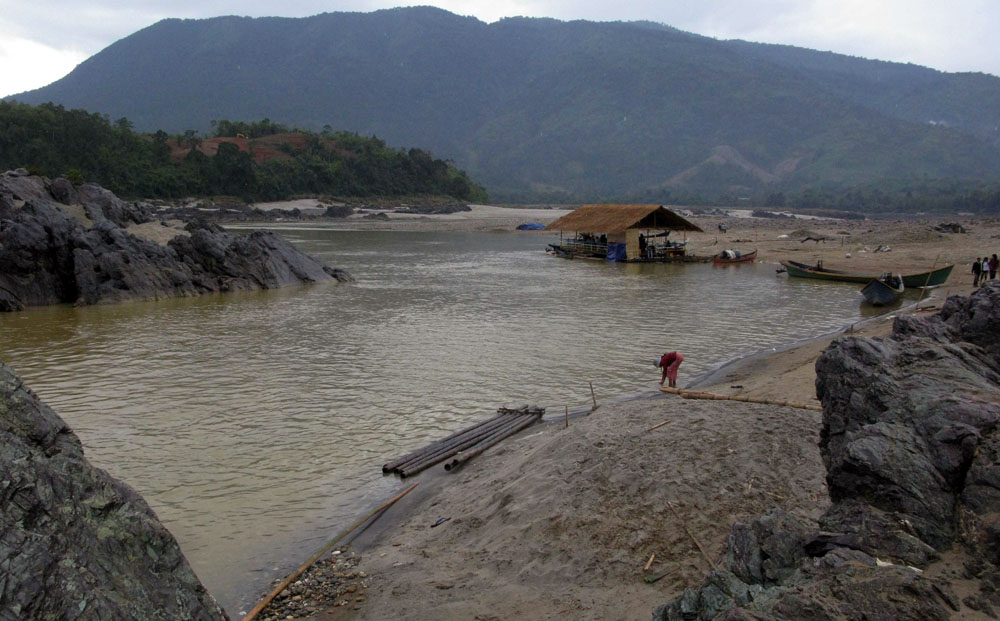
984, 269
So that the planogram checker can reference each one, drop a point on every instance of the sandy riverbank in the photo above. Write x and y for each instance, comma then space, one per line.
478, 218
912, 245
561, 521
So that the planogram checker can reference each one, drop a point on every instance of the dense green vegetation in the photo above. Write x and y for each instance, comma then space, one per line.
52, 141
884, 197
949, 196
80, 145
544, 110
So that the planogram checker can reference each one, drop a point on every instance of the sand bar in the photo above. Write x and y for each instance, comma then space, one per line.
562, 521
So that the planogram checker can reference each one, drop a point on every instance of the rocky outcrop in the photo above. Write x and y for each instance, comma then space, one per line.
911, 445
74, 542
50, 256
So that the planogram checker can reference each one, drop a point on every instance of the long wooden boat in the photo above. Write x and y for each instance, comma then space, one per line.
719, 259
884, 290
930, 278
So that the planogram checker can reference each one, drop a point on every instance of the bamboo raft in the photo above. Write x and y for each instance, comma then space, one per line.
465, 444
698, 394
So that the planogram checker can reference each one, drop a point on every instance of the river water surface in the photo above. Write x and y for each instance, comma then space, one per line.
256, 424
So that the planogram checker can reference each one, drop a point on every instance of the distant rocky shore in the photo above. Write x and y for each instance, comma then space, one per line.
910, 444
61, 243
231, 209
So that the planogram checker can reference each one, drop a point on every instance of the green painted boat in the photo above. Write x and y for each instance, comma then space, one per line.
931, 278
884, 291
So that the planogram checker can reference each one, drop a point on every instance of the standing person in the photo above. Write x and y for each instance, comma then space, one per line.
994, 264
670, 363
984, 270
977, 270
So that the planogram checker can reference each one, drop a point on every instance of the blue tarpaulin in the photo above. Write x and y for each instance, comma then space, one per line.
531, 226
616, 252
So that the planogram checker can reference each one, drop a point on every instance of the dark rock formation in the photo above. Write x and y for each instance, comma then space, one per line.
435, 209
763, 213
339, 211
911, 445
74, 542
47, 256
950, 227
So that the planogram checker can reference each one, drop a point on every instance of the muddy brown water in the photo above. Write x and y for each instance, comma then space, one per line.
255, 424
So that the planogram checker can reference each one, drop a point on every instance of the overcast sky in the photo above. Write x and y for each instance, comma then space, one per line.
43, 40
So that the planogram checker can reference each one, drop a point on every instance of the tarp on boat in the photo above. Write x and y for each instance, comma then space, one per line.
531, 226
616, 252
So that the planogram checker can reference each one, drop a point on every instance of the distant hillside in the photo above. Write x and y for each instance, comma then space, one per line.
538, 108
254, 161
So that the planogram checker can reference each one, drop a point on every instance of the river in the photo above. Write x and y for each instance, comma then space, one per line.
255, 424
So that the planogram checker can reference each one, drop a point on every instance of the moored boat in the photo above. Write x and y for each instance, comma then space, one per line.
733, 256
884, 290
931, 278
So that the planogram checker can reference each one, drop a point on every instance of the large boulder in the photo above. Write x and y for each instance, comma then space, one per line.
48, 255
74, 542
838, 582
911, 445
905, 420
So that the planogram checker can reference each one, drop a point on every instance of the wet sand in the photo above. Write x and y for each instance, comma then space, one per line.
562, 521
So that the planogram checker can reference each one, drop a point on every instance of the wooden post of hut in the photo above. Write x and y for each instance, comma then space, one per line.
632, 251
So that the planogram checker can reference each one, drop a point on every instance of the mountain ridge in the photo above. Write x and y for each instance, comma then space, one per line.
537, 106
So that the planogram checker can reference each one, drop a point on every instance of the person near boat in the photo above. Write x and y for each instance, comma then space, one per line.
669, 363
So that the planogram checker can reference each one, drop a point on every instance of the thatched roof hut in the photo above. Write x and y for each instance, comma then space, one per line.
619, 228
620, 218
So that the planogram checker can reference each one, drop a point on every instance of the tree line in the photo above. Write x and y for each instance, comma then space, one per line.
899, 196
885, 197
82, 146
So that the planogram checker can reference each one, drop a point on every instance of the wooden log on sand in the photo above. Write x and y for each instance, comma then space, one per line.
698, 394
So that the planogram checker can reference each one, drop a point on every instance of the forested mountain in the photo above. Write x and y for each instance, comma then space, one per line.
255, 161
543, 109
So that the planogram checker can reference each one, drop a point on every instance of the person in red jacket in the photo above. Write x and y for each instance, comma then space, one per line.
670, 363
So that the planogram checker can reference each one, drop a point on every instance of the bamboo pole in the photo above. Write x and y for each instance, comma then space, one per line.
437, 448
466, 456
693, 538
657, 426
443, 454
924, 288
698, 394
390, 466
315, 557
430, 459
785, 404
592, 395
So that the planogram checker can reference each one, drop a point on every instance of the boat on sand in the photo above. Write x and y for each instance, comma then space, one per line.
884, 290
931, 278
733, 256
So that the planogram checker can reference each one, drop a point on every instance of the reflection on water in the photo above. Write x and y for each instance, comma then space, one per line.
256, 424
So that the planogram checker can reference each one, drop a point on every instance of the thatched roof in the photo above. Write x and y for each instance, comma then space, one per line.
618, 218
